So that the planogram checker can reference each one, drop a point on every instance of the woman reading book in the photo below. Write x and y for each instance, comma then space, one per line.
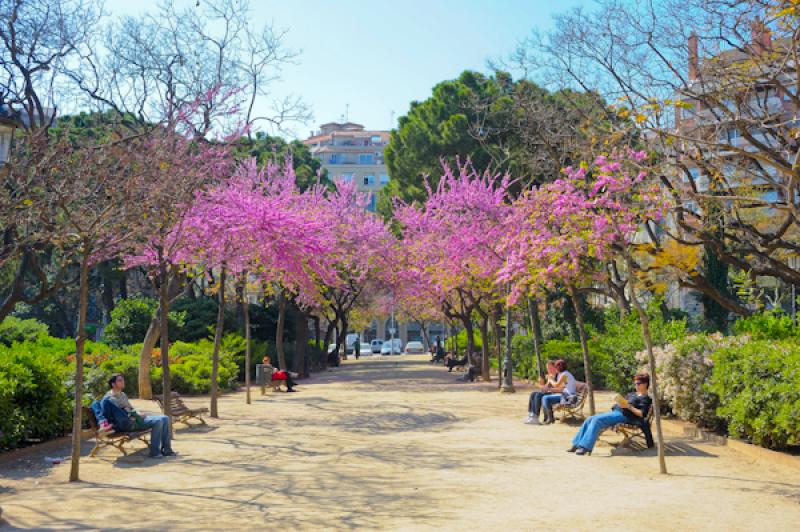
631, 409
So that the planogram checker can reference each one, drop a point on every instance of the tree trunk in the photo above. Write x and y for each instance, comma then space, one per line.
279, 331
342, 345
484, 328
108, 296
317, 332
164, 325
425, 336
123, 285
587, 369
651, 359
496, 313
146, 355
536, 331
468, 327
152, 336
329, 330
300, 342
247, 348
217, 342
80, 342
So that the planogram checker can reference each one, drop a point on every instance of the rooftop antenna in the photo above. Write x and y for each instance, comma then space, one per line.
391, 119
347, 112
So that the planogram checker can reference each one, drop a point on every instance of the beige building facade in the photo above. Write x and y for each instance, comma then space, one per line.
348, 151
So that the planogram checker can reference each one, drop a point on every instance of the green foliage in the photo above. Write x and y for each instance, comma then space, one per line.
758, 385
770, 325
439, 128
683, 368
461, 341
13, 329
34, 403
131, 317
266, 148
623, 338
716, 272
571, 353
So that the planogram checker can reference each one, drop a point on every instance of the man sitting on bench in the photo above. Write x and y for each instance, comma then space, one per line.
161, 437
276, 374
633, 409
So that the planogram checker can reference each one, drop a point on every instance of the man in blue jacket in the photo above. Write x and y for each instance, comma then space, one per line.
116, 409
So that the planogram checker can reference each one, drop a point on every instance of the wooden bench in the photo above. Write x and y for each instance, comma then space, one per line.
631, 430
575, 409
179, 412
118, 440
275, 385
268, 381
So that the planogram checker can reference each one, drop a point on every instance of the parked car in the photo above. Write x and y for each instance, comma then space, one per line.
392, 348
364, 349
376, 346
415, 348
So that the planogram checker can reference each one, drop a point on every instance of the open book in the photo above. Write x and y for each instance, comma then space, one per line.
621, 401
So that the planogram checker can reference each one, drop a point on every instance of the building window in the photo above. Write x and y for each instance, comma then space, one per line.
371, 206
347, 177
333, 159
5, 147
366, 158
369, 180
376, 139
694, 172
384, 179
729, 135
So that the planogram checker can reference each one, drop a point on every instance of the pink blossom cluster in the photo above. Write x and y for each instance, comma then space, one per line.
555, 231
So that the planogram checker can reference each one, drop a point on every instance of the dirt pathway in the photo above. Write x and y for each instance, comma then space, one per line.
398, 444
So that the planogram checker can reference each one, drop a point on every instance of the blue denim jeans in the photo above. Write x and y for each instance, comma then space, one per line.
160, 438
594, 425
547, 404
535, 403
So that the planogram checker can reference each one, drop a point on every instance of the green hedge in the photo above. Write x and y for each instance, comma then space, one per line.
13, 329
34, 401
758, 385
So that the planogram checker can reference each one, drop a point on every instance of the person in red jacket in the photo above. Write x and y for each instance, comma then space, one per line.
281, 375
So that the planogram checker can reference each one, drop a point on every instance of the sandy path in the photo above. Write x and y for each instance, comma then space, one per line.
397, 444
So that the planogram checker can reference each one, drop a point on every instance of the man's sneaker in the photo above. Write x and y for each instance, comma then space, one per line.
532, 421
155, 456
168, 453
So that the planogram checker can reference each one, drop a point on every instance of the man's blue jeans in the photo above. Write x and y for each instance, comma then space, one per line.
548, 401
160, 438
594, 425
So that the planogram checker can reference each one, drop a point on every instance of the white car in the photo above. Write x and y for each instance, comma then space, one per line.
376, 346
364, 349
388, 349
415, 348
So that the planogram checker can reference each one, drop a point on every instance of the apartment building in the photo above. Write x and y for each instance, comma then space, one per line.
733, 138
348, 151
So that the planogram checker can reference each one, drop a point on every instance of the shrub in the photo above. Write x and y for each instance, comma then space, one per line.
34, 403
124, 363
683, 369
623, 339
758, 385
771, 325
572, 354
461, 341
190, 369
131, 318
524, 356
13, 329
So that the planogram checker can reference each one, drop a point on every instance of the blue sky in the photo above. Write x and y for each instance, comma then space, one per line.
378, 56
